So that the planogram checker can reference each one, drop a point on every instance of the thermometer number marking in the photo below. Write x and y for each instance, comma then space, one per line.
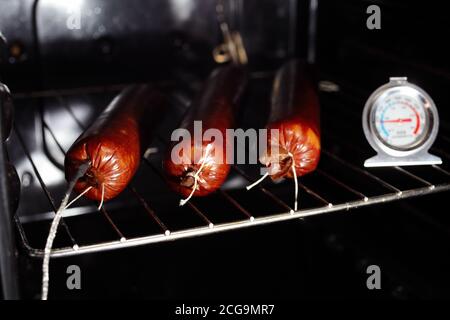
399, 120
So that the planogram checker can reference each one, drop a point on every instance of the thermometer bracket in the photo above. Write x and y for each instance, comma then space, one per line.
382, 160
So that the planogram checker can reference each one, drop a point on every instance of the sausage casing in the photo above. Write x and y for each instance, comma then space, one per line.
114, 143
295, 113
215, 107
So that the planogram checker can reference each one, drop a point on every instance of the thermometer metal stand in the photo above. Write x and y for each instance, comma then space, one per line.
418, 160
400, 122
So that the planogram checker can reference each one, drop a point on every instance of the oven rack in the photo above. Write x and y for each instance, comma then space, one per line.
420, 185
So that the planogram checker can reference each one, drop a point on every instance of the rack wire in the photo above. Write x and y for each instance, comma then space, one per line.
351, 196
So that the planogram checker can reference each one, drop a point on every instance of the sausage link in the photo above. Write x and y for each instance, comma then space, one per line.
215, 107
114, 143
295, 113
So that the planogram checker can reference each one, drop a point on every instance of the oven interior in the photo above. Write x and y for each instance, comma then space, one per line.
234, 243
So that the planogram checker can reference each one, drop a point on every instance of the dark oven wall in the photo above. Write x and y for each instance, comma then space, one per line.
407, 238
411, 42
78, 43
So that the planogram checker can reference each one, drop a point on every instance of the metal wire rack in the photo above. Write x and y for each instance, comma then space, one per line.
339, 184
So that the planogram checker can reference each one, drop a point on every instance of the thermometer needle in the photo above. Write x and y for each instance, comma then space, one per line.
397, 120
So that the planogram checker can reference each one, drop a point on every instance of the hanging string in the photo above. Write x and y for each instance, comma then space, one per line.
103, 197
295, 181
78, 197
196, 176
258, 181
54, 228
233, 47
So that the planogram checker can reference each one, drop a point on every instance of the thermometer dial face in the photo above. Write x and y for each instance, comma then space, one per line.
401, 120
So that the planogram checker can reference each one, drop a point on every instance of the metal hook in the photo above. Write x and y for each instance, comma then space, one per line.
233, 47
3, 38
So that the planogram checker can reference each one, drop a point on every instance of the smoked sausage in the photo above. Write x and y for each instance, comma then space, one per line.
200, 173
295, 114
114, 143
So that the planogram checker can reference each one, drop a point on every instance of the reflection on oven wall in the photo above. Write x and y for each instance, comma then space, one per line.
104, 41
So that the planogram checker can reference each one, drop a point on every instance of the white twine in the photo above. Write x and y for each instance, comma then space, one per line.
196, 177
295, 181
78, 197
258, 181
103, 197
82, 169
51, 238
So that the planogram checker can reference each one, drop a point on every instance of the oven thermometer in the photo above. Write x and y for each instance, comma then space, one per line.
401, 122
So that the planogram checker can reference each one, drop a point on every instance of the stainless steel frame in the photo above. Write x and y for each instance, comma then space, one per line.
8, 253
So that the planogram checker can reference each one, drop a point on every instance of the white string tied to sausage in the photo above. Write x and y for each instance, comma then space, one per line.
86, 191
103, 197
54, 228
78, 197
196, 176
254, 184
49, 243
295, 181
